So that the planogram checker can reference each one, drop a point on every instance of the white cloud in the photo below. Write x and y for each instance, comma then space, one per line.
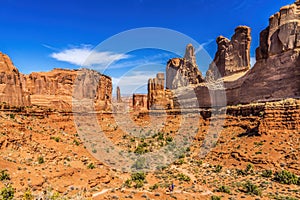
134, 82
85, 56
252, 61
146, 60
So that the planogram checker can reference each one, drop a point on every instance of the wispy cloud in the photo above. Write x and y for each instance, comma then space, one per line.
134, 82
202, 45
85, 56
134, 61
252, 61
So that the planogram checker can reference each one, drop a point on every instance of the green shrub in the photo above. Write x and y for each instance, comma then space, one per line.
91, 166
56, 139
139, 184
218, 169
4, 175
251, 188
76, 142
249, 168
284, 198
128, 183
183, 177
138, 176
267, 173
215, 198
140, 150
7, 193
27, 195
286, 177
153, 187
12, 116
41, 160
169, 139
224, 189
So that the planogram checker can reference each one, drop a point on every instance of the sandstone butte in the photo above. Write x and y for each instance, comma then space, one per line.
43, 155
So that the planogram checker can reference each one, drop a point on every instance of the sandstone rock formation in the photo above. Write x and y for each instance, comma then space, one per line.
158, 97
232, 56
282, 34
140, 101
11, 89
181, 72
54, 89
119, 99
276, 74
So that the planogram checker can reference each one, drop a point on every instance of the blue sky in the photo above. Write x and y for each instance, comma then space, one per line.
41, 35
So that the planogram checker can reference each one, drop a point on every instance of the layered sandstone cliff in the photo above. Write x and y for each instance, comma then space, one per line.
232, 56
11, 88
276, 74
54, 89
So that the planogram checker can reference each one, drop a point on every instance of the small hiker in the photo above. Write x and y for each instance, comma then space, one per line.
171, 187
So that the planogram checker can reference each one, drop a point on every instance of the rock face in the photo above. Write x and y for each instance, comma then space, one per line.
54, 89
182, 72
139, 101
11, 89
119, 99
158, 97
232, 56
275, 76
282, 34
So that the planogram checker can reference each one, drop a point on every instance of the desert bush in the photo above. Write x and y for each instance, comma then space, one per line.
286, 177
91, 166
224, 189
215, 198
153, 187
4, 175
251, 188
183, 177
284, 198
139, 179
218, 168
27, 195
7, 193
41, 160
267, 173
138, 176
